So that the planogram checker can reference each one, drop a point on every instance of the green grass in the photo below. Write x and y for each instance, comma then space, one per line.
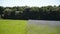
22, 27
13, 26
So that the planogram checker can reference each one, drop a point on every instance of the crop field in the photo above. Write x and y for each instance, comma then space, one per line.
28, 27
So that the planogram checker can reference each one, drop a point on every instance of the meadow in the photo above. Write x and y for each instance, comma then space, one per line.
43, 29
23, 27
13, 26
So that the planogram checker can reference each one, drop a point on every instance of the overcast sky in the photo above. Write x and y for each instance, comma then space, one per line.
28, 2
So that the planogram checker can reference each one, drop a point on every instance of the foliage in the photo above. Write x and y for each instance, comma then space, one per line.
25, 12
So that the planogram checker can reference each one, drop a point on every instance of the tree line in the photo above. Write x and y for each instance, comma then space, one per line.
26, 12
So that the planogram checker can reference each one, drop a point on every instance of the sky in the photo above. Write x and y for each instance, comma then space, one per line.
11, 3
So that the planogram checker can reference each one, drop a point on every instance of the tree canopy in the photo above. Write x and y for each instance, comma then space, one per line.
25, 12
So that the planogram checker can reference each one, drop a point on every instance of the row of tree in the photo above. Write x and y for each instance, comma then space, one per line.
25, 12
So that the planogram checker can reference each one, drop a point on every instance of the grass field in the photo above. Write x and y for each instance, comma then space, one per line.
13, 26
43, 29
22, 27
